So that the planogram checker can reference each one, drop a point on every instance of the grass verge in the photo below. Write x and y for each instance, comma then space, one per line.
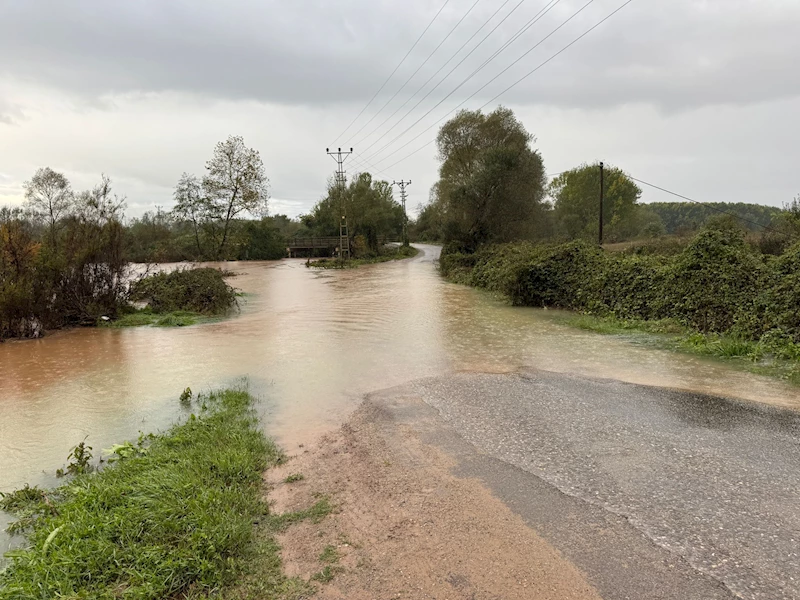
772, 355
395, 253
179, 515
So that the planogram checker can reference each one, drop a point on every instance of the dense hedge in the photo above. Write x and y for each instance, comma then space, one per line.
717, 284
203, 291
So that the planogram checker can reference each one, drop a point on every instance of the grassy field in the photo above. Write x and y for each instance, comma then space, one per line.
180, 514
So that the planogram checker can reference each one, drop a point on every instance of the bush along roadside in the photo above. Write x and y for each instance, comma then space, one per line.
173, 516
718, 296
178, 299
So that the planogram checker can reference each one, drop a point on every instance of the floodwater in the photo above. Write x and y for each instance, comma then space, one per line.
311, 344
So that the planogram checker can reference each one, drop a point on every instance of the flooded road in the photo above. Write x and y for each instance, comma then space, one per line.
311, 345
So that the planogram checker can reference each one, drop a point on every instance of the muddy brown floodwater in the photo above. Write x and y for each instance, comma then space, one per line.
311, 343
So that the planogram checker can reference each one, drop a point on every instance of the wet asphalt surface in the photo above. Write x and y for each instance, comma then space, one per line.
653, 493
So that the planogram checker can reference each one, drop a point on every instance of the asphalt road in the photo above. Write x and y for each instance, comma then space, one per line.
653, 493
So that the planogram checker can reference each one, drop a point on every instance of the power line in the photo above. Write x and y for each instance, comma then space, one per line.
393, 72
369, 166
517, 35
478, 45
706, 204
402, 87
439, 70
501, 93
539, 43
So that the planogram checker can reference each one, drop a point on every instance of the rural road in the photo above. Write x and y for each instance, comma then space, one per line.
652, 493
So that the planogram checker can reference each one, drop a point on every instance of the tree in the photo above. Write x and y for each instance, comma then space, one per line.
372, 212
235, 182
576, 199
50, 198
190, 205
491, 182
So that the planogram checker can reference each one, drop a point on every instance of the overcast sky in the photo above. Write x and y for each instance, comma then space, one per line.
699, 96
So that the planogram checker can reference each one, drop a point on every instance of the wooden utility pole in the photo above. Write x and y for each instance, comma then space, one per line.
341, 181
402, 185
601, 204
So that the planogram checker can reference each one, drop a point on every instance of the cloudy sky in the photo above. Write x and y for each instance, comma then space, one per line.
699, 96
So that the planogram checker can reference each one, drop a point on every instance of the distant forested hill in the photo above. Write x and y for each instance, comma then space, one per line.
687, 216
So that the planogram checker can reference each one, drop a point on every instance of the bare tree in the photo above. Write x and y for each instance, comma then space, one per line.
190, 205
98, 205
50, 198
235, 183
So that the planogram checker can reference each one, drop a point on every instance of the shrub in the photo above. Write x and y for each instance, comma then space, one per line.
782, 298
566, 276
203, 291
714, 279
717, 284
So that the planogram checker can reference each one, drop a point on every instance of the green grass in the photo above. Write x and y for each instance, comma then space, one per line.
329, 555
144, 317
315, 513
773, 356
294, 477
326, 575
613, 325
396, 253
175, 519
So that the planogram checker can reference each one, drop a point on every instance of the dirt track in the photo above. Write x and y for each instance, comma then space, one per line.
405, 527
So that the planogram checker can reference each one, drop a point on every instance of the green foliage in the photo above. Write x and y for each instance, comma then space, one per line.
186, 396
781, 300
173, 522
202, 291
315, 513
79, 458
64, 267
259, 240
735, 301
576, 201
429, 225
294, 477
28, 505
385, 255
329, 555
713, 281
685, 217
326, 575
145, 316
491, 184
372, 214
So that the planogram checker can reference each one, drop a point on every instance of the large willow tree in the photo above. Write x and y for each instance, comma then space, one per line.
492, 183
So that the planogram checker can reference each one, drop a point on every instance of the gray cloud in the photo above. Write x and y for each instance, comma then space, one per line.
698, 96
676, 55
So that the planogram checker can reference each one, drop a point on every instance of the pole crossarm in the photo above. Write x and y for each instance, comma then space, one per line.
341, 181
402, 185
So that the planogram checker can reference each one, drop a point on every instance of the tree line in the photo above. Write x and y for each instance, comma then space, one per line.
492, 188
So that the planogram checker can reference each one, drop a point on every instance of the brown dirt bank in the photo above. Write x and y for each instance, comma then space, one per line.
404, 525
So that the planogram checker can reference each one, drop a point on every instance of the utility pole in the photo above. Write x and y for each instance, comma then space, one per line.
402, 184
601, 203
344, 235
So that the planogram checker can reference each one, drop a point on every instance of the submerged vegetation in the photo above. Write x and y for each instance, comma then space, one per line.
201, 291
384, 255
173, 516
721, 296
